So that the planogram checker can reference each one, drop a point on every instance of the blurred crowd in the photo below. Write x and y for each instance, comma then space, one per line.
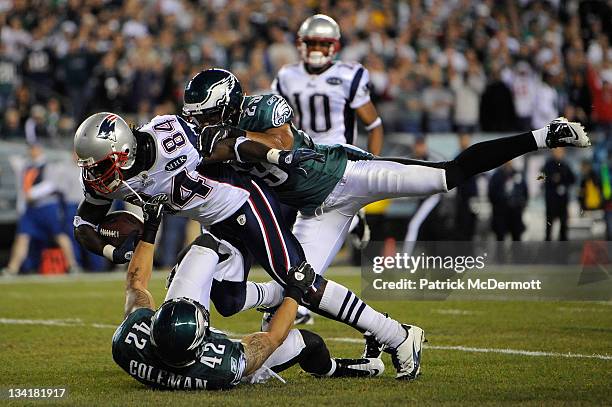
435, 65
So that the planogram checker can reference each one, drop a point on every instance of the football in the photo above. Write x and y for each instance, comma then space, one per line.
118, 225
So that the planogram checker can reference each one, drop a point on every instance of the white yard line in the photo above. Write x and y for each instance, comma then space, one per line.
79, 323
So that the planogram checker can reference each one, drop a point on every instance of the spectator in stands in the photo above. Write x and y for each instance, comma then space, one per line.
467, 193
497, 112
522, 82
600, 84
9, 77
438, 102
508, 197
42, 219
36, 125
559, 177
11, 127
546, 106
579, 98
467, 87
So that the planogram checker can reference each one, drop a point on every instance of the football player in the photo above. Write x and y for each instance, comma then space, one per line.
327, 96
174, 347
330, 192
158, 160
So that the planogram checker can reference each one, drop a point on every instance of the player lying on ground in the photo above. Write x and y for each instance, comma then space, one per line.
159, 160
329, 193
175, 347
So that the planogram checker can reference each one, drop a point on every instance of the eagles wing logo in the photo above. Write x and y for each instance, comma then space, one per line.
282, 113
227, 84
107, 128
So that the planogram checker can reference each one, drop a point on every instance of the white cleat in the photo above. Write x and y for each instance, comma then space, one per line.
407, 356
563, 133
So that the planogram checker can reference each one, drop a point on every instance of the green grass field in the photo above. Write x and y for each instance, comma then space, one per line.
57, 333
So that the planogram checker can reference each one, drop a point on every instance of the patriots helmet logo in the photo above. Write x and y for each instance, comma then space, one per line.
107, 128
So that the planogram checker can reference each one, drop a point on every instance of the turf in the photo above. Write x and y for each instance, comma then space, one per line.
73, 351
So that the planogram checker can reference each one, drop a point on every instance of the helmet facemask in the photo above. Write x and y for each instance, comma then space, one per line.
318, 52
106, 175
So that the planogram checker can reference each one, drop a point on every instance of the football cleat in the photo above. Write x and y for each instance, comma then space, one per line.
563, 133
373, 348
366, 367
360, 236
303, 316
407, 356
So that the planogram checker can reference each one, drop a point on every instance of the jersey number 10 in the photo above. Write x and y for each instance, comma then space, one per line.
318, 104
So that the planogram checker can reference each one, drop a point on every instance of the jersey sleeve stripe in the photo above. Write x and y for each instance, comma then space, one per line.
355, 84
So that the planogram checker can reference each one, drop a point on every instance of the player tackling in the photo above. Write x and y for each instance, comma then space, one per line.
174, 347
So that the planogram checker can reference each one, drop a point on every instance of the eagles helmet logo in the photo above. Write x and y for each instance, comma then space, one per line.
107, 128
226, 86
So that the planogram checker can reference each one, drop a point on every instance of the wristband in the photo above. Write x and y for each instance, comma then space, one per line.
294, 292
273, 155
239, 141
377, 122
108, 251
149, 234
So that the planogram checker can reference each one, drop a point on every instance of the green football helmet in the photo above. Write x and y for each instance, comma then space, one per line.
213, 97
178, 328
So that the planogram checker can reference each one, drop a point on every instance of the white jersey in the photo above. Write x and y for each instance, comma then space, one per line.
325, 104
174, 173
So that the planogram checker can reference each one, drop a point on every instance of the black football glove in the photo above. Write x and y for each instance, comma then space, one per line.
123, 253
211, 135
356, 154
152, 211
299, 280
292, 160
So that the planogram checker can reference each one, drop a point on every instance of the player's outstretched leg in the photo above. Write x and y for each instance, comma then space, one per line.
404, 342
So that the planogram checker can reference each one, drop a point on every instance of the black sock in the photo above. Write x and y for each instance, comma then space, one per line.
487, 155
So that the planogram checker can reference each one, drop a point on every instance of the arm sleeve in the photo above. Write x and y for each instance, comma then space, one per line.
359, 93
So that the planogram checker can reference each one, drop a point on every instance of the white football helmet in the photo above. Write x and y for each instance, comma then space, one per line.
104, 145
321, 34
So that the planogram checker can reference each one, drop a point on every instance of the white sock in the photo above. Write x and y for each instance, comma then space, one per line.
540, 137
338, 301
265, 295
333, 368
194, 275
302, 310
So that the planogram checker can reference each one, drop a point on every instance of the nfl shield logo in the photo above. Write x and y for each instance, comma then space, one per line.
241, 220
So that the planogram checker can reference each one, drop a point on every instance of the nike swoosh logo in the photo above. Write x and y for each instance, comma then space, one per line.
573, 132
375, 372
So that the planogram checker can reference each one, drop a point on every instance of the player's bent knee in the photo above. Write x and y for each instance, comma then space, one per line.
206, 240
228, 297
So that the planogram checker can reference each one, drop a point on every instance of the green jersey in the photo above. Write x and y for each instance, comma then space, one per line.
263, 112
220, 364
